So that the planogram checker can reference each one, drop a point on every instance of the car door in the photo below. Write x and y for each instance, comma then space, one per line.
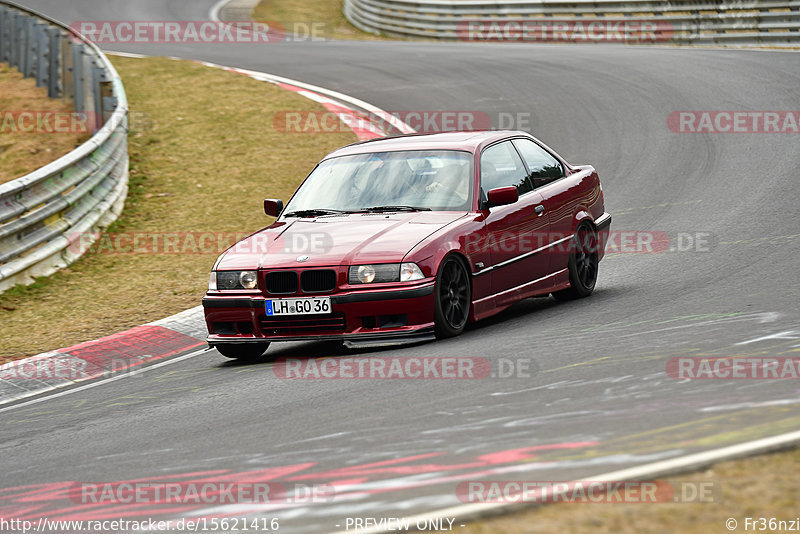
546, 174
514, 232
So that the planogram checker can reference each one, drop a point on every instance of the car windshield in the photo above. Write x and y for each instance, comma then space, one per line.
437, 180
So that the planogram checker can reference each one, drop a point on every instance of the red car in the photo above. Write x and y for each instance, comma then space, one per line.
410, 237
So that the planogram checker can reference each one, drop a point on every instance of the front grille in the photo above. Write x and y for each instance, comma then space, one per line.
282, 326
281, 282
318, 281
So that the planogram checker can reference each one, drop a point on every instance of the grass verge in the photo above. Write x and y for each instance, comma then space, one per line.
327, 14
762, 486
21, 151
204, 155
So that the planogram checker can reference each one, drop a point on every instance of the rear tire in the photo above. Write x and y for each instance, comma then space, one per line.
242, 351
452, 298
583, 265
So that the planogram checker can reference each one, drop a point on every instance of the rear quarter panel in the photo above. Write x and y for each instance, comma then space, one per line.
570, 201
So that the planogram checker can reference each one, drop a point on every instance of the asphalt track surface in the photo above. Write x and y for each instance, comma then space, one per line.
597, 398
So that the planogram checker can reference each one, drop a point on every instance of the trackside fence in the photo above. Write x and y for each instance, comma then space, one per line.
693, 22
83, 191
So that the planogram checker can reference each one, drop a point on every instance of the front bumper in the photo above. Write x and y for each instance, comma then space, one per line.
360, 315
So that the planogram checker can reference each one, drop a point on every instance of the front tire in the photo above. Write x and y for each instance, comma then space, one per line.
242, 351
452, 298
583, 265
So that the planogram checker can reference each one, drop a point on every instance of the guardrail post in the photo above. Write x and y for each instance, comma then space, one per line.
41, 54
16, 42
78, 81
4, 13
28, 53
67, 71
105, 103
89, 84
54, 82
97, 96
110, 102
10, 22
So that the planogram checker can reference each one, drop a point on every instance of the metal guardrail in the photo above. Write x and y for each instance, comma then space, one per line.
716, 22
48, 217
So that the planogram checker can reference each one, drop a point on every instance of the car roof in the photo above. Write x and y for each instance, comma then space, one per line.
471, 141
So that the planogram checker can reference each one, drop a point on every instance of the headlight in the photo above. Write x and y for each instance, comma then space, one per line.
388, 272
248, 279
365, 274
233, 280
368, 274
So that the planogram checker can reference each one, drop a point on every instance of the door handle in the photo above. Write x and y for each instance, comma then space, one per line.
539, 209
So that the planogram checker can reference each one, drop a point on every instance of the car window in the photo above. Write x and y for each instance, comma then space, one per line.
543, 166
501, 166
434, 179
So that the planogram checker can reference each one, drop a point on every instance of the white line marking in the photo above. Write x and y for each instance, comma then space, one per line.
789, 334
651, 470
107, 380
126, 54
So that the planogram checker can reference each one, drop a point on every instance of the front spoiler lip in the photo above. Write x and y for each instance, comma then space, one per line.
224, 301
422, 333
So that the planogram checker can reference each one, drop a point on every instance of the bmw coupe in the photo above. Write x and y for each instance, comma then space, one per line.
410, 237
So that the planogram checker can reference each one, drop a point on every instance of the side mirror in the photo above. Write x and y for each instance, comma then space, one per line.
501, 196
273, 207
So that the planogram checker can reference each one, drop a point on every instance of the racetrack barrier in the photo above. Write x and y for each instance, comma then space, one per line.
693, 22
83, 191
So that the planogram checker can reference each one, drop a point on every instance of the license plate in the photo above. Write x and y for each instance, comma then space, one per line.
301, 306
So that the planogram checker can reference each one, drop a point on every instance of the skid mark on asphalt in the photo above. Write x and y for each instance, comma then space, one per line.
703, 320
717, 430
775, 240
785, 348
625, 211
766, 240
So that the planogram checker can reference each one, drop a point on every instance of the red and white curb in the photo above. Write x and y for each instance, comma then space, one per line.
354, 113
365, 120
102, 357
185, 331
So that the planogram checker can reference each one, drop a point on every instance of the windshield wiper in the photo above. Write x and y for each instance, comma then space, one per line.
314, 212
396, 208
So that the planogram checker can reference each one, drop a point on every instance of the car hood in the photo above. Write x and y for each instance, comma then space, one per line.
350, 239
